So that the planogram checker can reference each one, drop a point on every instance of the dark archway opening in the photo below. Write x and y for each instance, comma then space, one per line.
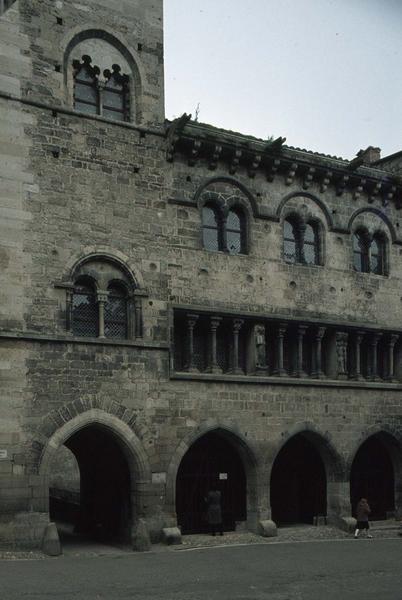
212, 461
298, 483
102, 509
372, 477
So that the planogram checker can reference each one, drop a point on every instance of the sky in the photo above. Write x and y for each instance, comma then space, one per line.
325, 74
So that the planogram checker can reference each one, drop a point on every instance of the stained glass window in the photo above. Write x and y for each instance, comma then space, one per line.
211, 229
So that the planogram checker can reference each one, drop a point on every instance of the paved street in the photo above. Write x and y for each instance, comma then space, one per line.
318, 570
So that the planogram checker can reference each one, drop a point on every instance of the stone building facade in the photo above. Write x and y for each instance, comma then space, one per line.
182, 307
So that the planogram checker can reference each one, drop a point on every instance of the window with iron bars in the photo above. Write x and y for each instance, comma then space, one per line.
87, 320
224, 234
301, 242
369, 253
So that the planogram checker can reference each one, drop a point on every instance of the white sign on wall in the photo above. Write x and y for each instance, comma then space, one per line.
223, 476
3, 454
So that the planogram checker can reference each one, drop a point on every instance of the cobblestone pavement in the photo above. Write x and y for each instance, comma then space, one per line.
383, 530
301, 533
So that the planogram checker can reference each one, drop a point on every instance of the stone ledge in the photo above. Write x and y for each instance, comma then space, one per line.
285, 381
65, 339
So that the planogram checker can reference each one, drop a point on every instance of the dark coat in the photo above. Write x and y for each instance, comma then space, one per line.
362, 511
214, 511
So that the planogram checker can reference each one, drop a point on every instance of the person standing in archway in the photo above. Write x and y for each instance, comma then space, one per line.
214, 511
362, 516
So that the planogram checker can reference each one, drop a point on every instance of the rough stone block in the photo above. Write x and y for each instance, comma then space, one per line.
51, 542
140, 537
347, 524
267, 528
171, 535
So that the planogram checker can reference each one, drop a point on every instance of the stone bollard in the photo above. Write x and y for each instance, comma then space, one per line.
267, 528
171, 535
51, 542
140, 538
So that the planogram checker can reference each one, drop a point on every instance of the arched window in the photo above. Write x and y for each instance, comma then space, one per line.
361, 244
115, 96
86, 93
377, 255
211, 229
84, 310
116, 312
290, 249
235, 232
311, 250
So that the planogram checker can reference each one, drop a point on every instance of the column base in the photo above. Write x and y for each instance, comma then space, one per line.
214, 370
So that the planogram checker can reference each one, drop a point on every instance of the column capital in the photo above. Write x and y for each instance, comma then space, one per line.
102, 295
237, 324
192, 319
215, 322
320, 332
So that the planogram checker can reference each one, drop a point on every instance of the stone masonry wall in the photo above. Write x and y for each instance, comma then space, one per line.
72, 185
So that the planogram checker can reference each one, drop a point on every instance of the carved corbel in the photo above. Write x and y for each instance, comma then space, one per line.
235, 161
388, 196
273, 169
340, 188
254, 165
359, 188
326, 181
213, 163
195, 150
291, 174
374, 192
308, 178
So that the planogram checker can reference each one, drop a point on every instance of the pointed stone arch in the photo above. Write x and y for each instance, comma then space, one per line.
246, 453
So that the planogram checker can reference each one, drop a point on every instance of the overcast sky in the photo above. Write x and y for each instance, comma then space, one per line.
325, 74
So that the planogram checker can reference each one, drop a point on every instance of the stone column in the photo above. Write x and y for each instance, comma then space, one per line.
392, 340
138, 312
358, 340
101, 298
213, 366
69, 309
280, 334
301, 330
235, 368
374, 356
261, 365
342, 354
317, 372
191, 323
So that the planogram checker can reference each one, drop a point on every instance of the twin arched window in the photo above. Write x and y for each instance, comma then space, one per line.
109, 98
301, 242
369, 252
226, 233
99, 315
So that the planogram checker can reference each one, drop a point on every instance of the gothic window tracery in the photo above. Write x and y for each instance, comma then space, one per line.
115, 95
109, 98
86, 86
